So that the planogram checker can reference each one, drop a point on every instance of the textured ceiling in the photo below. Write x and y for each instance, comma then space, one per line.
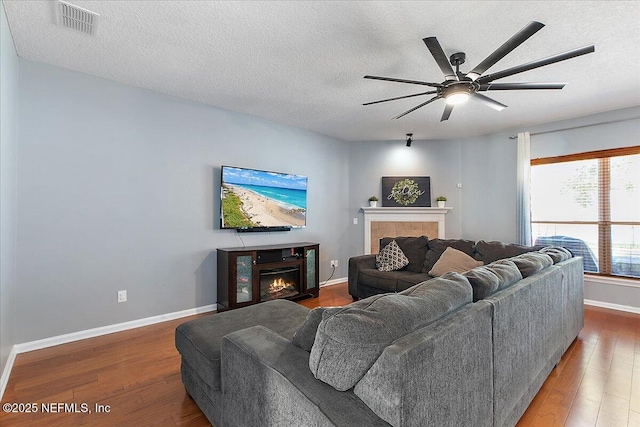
302, 63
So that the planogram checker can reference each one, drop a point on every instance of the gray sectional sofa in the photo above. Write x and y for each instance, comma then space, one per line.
468, 349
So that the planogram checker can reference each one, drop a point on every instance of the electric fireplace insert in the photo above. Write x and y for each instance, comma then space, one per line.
282, 282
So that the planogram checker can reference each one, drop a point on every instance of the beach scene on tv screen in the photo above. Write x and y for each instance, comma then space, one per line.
253, 198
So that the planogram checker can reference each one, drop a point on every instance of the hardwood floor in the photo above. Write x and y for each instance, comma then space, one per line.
135, 374
597, 382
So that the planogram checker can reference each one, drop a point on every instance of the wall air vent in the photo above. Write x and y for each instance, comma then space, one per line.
77, 18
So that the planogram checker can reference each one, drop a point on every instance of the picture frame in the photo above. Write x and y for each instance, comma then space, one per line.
406, 191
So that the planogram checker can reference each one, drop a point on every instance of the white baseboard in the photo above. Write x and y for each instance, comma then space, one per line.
104, 330
610, 280
334, 282
619, 307
6, 371
91, 333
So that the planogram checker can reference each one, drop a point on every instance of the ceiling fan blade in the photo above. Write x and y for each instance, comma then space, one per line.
440, 57
520, 86
447, 112
537, 64
417, 106
516, 40
413, 82
489, 102
402, 97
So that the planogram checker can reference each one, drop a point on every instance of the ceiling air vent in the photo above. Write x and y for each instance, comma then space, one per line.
77, 18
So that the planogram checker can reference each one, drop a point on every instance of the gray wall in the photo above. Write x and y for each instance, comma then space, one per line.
489, 189
119, 189
613, 129
370, 161
8, 196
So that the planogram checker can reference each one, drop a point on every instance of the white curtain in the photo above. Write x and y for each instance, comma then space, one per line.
523, 198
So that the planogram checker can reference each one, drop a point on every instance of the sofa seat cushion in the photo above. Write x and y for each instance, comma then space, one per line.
438, 246
488, 252
385, 280
405, 282
489, 279
350, 339
414, 249
199, 340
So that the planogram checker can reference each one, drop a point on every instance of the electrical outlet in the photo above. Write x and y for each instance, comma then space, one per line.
334, 263
122, 296
355, 221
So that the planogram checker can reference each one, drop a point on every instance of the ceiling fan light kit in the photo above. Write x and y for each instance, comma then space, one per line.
459, 93
458, 87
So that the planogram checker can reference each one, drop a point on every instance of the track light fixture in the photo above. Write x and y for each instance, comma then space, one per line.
409, 139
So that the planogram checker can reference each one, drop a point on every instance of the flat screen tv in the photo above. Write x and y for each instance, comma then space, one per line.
257, 200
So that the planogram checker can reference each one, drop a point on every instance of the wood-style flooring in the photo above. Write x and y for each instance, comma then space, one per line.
135, 374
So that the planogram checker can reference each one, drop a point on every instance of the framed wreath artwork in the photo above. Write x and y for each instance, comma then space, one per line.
406, 191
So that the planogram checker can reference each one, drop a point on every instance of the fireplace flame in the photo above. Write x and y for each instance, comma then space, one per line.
277, 285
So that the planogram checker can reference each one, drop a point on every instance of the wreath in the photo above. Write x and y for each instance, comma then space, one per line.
405, 192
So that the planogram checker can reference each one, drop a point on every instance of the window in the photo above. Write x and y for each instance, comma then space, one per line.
590, 204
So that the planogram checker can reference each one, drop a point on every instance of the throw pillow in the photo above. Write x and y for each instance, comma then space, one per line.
391, 258
306, 333
453, 260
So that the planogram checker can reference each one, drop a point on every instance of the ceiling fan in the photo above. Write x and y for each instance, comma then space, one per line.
458, 87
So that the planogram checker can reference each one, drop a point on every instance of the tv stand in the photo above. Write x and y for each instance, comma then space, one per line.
254, 274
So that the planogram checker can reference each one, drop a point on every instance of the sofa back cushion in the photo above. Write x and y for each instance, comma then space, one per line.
557, 253
305, 335
488, 252
350, 339
530, 263
438, 246
414, 248
489, 279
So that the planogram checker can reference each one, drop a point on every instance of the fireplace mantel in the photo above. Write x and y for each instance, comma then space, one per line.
400, 215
